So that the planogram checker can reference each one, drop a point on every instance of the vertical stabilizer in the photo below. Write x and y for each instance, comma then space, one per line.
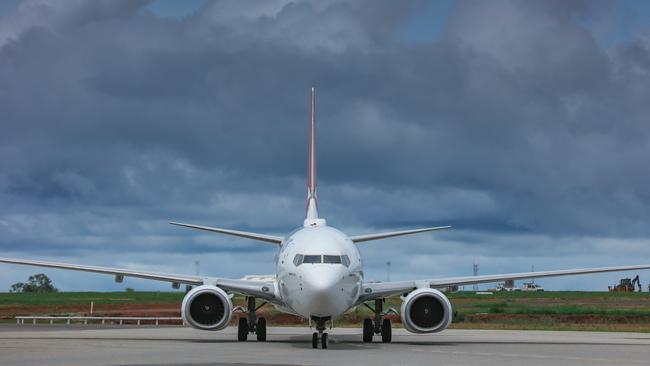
311, 218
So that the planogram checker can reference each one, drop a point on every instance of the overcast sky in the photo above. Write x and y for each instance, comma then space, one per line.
524, 124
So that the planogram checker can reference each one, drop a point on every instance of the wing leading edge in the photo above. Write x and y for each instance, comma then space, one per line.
241, 234
383, 289
369, 237
470, 280
185, 279
262, 289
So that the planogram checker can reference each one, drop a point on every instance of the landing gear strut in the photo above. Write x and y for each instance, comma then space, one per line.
378, 326
251, 324
320, 336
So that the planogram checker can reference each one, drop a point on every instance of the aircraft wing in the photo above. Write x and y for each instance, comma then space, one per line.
369, 237
374, 290
262, 289
242, 234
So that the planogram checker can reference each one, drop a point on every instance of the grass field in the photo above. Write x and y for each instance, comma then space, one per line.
605, 311
76, 298
598, 311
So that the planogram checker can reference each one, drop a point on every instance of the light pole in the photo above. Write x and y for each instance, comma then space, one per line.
388, 271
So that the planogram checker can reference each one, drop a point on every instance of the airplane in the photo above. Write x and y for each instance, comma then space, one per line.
319, 276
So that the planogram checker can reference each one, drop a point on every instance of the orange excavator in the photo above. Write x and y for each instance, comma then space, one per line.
626, 285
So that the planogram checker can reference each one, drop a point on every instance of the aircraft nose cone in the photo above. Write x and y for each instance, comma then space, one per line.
322, 281
322, 289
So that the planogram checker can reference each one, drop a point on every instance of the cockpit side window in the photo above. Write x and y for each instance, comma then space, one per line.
345, 260
334, 259
297, 260
313, 259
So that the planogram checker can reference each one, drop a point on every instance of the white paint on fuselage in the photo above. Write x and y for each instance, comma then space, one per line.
319, 289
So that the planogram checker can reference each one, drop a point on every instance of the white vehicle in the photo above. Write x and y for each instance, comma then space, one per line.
319, 276
501, 286
531, 286
508, 286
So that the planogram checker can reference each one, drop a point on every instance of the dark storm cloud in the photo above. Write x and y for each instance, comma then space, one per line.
514, 125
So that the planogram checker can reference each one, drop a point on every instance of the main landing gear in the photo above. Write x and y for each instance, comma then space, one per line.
378, 326
320, 336
251, 324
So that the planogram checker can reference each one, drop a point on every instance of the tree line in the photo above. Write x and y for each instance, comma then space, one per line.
36, 283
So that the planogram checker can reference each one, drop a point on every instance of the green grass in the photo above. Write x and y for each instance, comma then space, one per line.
464, 299
567, 295
566, 310
563, 303
74, 298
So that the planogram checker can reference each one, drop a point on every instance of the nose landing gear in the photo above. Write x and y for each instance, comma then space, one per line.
252, 324
320, 336
378, 326
324, 340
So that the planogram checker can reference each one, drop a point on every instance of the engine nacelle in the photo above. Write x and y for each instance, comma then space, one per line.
207, 307
426, 310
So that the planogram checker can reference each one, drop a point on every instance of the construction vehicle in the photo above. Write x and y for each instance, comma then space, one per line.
638, 283
626, 285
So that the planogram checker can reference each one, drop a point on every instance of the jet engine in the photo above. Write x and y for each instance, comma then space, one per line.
426, 310
207, 307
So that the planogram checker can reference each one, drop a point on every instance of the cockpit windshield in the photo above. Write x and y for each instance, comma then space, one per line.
316, 258
312, 259
332, 259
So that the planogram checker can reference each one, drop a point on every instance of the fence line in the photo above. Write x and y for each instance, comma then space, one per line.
104, 319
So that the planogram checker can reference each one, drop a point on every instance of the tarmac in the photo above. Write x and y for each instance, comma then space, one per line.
26, 345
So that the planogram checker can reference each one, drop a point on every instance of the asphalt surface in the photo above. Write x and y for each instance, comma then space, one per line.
93, 345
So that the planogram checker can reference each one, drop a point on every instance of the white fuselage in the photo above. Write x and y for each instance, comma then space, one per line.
309, 279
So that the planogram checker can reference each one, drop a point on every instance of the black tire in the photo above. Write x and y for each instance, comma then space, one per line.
260, 330
314, 340
386, 331
242, 329
368, 330
324, 341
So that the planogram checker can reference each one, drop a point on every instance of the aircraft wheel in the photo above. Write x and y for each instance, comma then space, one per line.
260, 330
367, 330
242, 329
324, 341
314, 340
386, 331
